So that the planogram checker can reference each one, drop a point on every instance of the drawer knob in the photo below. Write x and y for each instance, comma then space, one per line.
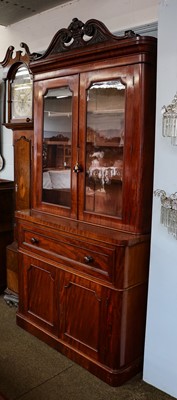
88, 259
34, 240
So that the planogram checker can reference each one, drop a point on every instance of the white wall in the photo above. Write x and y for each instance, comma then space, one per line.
37, 31
160, 362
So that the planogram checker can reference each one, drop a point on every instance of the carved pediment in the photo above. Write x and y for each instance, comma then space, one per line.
14, 58
79, 35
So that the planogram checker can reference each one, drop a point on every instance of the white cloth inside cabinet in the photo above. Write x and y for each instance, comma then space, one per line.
57, 179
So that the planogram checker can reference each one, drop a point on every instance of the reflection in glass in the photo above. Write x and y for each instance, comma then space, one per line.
104, 147
57, 140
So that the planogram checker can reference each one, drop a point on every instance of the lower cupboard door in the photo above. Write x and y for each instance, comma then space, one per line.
39, 293
82, 315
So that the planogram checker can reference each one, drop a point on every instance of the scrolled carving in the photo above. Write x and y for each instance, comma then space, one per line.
73, 35
97, 31
89, 29
32, 56
79, 35
8, 56
25, 47
13, 57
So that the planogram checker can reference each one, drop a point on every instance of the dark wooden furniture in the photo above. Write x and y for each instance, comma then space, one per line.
15, 69
83, 258
23, 142
6, 225
2, 397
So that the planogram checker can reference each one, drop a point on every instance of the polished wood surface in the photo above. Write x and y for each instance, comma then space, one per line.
22, 141
2, 397
22, 163
12, 267
83, 275
96, 284
138, 70
23, 144
6, 225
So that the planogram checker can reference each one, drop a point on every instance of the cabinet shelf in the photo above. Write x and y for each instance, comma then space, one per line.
53, 114
104, 111
105, 144
57, 143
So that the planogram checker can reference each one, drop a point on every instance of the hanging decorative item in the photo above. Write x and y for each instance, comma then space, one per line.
168, 211
169, 125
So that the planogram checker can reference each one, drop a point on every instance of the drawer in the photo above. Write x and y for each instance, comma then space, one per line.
94, 259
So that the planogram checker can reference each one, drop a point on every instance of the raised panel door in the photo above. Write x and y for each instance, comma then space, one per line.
38, 293
83, 306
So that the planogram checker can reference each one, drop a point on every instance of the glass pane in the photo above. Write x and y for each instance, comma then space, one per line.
57, 141
21, 96
105, 147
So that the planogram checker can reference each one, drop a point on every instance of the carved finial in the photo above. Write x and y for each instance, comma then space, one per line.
8, 56
76, 26
130, 33
32, 56
25, 46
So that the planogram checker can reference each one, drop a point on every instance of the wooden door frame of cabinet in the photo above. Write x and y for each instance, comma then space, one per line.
42, 87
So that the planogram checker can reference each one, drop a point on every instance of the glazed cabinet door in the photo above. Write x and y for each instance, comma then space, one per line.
56, 119
83, 305
109, 141
38, 293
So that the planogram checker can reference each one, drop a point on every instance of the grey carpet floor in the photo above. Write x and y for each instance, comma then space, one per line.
31, 370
